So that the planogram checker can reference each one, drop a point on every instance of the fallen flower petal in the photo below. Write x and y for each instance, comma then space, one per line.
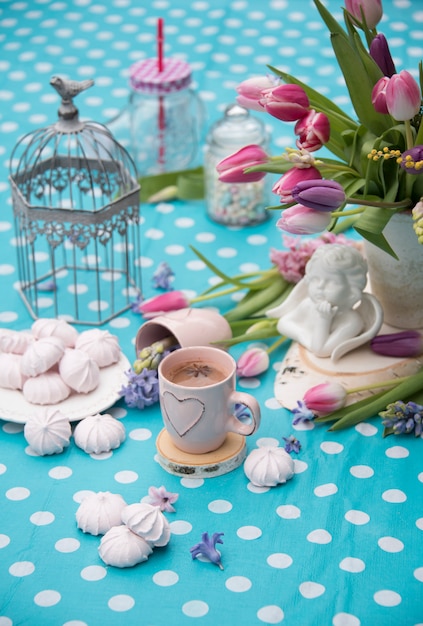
302, 413
162, 498
291, 444
163, 276
206, 548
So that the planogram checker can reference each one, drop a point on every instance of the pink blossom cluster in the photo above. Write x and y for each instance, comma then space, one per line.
291, 262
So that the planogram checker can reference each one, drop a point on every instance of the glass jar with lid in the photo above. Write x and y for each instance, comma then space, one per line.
162, 124
236, 204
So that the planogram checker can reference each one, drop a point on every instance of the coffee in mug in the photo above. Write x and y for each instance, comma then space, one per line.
198, 398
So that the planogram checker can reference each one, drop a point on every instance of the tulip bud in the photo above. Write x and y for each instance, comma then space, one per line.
379, 95
320, 195
372, 10
300, 220
169, 301
403, 96
407, 343
325, 398
313, 130
283, 187
286, 102
252, 362
231, 169
251, 91
380, 53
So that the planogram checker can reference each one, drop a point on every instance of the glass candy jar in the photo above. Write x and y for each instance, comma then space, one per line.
235, 204
161, 126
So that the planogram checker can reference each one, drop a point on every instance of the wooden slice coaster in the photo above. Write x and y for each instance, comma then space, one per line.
228, 457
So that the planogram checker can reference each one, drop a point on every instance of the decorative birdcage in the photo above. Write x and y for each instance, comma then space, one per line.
76, 208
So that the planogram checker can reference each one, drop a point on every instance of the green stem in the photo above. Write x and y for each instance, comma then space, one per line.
379, 385
276, 344
408, 134
401, 204
346, 213
210, 296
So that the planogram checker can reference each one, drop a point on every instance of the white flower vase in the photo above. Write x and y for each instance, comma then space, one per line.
398, 284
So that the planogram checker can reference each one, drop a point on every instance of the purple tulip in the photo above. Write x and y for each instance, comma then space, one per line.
313, 131
300, 220
380, 53
412, 160
407, 343
403, 96
231, 169
283, 187
320, 195
372, 10
288, 103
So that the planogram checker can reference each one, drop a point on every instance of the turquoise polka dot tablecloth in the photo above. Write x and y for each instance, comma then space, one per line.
342, 542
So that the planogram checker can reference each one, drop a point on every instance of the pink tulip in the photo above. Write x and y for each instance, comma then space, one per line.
253, 362
379, 95
299, 220
313, 131
372, 10
231, 169
251, 91
325, 398
407, 343
403, 96
283, 187
165, 302
286, 102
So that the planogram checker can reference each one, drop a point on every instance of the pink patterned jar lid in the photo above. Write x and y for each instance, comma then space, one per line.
145, 76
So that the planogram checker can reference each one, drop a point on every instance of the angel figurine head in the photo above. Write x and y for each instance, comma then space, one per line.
328, 312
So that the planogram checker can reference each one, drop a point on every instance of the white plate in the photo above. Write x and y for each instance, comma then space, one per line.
14, 407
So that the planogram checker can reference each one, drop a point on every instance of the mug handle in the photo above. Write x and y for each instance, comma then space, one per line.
234, 425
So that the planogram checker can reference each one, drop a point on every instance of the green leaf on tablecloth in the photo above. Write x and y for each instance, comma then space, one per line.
181, 185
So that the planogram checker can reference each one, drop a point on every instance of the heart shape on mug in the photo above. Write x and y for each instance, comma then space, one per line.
184, 414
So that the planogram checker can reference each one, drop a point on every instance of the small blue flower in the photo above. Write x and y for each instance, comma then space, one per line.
142, 389
302, 413
206, 547
292, 444
162, 277
403, 418
135, 305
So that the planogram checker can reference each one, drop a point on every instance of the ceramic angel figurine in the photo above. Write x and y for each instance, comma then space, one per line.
327, 312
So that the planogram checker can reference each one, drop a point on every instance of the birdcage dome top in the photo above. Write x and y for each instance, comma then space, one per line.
72, 165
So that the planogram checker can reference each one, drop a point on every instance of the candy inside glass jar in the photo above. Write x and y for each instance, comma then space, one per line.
235, 204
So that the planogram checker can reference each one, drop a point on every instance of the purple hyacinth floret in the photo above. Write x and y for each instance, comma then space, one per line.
302, 413
292, 444
135, 304
142, 389
207, 548
162, 277
403, 418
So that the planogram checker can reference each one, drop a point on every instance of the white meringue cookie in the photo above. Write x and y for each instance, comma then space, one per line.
268, 466
99, 512
100, 345
120, 547
148, 522
50, 327
11, 376
47, 431
48, 388
79, 371
99, 433
41, 355
15, 341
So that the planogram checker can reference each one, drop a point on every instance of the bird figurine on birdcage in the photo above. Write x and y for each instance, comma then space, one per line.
75, 200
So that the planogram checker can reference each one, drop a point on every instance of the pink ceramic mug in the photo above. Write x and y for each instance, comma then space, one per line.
198, 397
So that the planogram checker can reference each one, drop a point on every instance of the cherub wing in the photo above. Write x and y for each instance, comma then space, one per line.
296, 296
372, 314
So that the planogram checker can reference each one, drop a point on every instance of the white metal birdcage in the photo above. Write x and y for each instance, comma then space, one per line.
76, 207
